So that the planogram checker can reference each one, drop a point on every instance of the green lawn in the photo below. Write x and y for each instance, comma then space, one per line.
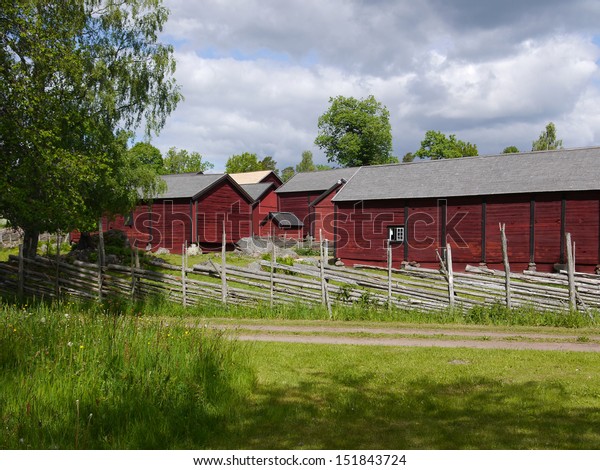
336, 397
106, 376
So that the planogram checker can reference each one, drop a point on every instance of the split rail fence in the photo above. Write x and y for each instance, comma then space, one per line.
273, 283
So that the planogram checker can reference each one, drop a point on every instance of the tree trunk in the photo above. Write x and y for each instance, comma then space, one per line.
30, 243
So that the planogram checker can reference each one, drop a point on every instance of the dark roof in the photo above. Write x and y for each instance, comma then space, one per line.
285, 219
193, 185
337, 185
316, 180
531, 172
257, 190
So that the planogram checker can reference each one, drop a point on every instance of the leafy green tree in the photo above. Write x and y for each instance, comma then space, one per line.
408, 157
287, 173
268, 163
147, 154
437, 146
547, 139
75, 77
320, 167
511, 149
181, 161
355, 132
306, 163
243, 163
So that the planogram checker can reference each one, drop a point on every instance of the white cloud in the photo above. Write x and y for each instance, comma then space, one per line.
257, 75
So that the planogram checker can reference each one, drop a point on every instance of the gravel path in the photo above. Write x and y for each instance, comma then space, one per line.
412, 337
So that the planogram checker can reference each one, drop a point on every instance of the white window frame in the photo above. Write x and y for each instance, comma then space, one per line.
396, 234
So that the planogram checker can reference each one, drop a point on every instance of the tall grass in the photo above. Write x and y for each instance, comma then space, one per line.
76, 377
495, 314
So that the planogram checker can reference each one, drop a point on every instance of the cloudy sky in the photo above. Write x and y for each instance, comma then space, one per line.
257, 74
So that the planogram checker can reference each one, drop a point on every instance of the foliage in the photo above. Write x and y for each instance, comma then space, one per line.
408, 157
306, 163
181, 161
246, 162
147, 154
75, 77
287, 173
547, 139
511, 149
268, 163
355, 132
437, 146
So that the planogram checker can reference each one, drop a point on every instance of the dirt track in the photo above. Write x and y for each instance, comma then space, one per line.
412, 337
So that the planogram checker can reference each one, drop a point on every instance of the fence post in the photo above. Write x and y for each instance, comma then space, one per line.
450, 271
389, 268
506, 264
272, 284
21, 280
100, 258
183, 274
57, 283
223, 268
324, 291
571, 273
133, 278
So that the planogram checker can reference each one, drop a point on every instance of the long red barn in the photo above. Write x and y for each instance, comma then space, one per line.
419, 207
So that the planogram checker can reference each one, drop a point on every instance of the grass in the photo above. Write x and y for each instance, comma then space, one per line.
352, 397
75, 376
128, 376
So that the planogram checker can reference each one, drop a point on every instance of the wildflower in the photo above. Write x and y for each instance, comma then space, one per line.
81, 347
43, 319
67, 316
69, 344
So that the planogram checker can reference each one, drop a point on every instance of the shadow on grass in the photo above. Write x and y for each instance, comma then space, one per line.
464, 414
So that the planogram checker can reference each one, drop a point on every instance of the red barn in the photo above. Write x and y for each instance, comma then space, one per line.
304, 189
192, 210
419, 207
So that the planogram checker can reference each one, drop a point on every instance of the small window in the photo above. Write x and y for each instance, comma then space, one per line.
396, 234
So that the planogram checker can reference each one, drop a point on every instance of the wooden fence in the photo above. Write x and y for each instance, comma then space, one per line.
272, 283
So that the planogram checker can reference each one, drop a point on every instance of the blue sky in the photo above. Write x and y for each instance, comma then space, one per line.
257, 74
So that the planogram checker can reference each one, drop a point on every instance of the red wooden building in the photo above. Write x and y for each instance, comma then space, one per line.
305, 196
192, 210
282, 225
419, 207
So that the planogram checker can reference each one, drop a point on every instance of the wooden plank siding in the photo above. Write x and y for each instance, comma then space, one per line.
222, 203
261, 211
533, 227
323, 217
582, 221
298, 204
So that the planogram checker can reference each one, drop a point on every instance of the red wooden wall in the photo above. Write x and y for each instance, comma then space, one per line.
261, 210
534, 226
223, 203
298, 204
323, 217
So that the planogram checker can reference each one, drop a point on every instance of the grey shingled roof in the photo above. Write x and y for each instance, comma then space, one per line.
316, 180
188, 185
531, 172
256, 190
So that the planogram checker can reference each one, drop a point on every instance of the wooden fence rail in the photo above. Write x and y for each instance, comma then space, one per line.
276, 284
